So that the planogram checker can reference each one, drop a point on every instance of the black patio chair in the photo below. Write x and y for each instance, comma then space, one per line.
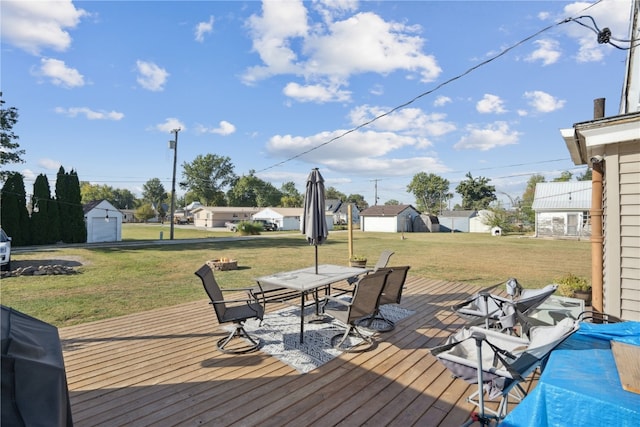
237, 313
364, 302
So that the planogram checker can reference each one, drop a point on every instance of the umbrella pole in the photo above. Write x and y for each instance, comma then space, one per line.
316, 246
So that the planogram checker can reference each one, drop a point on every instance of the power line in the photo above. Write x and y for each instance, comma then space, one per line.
445, 83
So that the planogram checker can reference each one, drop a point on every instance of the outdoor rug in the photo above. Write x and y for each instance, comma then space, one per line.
280, 335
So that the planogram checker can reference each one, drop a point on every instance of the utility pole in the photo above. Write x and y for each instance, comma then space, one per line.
376, 192
174, 146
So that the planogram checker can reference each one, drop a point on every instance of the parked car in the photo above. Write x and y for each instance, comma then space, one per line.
267, 225
5, 251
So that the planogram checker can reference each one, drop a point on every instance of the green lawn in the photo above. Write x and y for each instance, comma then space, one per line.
120, 280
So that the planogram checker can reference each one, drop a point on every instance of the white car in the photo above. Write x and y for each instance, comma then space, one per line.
5, 250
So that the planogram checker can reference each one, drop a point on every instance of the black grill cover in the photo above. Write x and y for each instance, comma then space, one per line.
34, 381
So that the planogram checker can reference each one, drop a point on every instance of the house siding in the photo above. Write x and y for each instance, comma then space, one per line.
629, 177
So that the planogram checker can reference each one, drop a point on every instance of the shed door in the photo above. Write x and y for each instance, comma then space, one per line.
103, 231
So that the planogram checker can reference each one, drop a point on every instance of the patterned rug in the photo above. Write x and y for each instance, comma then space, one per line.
280, 335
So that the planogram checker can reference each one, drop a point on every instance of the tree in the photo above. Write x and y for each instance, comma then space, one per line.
95, 192
123, 199
332, 193
45, 221
9, 148
153, 192
14, 216
249, 190
586, 176
72, 226
527, 198
207, 177
476, 192
291, 197
565, 176
391, 202
498, 217
430, 190
145, 212
359, 201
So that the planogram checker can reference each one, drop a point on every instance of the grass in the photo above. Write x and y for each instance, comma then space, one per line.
121, 280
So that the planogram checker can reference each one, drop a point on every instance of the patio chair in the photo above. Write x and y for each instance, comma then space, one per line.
235, 311
364, 302
499, 362
495, 311
382, 262
391, 294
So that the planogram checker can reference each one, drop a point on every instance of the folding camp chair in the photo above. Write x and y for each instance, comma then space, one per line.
499, 362
497, 312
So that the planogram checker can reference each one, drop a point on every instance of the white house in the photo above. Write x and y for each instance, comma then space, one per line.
216, 216
389, 218
562, 209
288, 218
103, 221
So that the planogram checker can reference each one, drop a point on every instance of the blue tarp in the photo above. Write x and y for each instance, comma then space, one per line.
580, 385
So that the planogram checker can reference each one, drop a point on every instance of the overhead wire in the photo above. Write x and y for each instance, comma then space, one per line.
601, 34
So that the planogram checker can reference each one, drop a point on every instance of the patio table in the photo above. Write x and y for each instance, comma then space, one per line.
307, 281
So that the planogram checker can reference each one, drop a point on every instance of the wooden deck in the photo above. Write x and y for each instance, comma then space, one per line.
162, 368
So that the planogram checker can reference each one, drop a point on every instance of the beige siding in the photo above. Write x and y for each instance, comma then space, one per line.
629, 187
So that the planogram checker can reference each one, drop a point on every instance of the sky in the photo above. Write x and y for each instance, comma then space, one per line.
369, 92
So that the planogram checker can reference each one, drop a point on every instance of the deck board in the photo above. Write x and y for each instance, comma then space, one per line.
161, 368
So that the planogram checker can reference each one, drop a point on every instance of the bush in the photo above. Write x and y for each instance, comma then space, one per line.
248, 228
570, 283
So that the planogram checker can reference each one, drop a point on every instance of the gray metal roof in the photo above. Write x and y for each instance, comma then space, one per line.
570, 195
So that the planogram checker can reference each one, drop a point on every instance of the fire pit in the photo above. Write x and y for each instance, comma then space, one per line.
223, 264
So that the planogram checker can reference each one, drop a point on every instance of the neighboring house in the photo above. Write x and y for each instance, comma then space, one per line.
389, 218
477, 223
611, 147
103, 221
128, 215
340, 211
456, 221
216, 216
288, 218
562, 209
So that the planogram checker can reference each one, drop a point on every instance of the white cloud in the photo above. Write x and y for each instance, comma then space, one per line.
169, 125
408, 121
89, 113
151, 76
548, 52
203, 28
441, 101
494, 135
332, 51
490, 104
36, 25
59, 74
49, 164
542, 102
224, 128
315, 93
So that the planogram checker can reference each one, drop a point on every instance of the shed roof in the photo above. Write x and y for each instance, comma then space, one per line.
385, 210
458, 214
569, 195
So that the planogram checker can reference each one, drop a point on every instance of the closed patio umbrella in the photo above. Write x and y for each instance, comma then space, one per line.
314, 222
